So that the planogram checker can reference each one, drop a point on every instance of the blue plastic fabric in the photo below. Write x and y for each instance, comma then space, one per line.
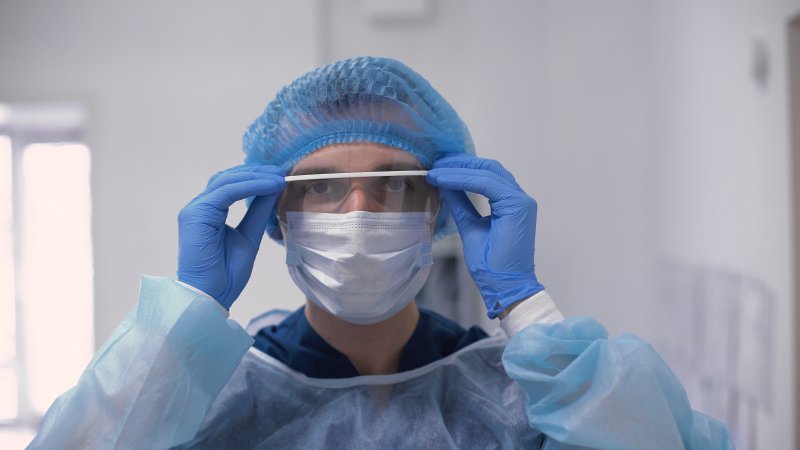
152, 382
169, 377
586, 390
364, 99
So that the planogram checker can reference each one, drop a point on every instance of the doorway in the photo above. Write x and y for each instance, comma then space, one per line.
794, 129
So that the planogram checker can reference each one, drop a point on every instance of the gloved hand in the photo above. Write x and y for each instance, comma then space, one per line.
212, 256
498, 249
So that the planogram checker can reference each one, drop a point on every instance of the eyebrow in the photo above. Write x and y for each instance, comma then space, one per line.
381, 168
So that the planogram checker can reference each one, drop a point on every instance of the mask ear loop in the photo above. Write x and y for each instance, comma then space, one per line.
435, 214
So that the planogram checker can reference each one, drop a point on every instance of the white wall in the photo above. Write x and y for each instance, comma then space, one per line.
723, 162
169, 88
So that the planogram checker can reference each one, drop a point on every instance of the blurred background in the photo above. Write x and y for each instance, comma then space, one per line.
658, 137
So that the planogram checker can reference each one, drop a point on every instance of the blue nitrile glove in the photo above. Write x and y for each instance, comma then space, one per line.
498, 249
212, 256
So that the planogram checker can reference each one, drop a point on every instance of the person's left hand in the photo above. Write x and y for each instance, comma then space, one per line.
499, 248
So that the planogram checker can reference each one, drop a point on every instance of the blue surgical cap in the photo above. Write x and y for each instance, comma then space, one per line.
364, 99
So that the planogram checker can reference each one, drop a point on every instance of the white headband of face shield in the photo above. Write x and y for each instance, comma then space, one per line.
329, 176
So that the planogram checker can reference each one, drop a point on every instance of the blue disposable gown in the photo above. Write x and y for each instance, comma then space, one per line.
177, 373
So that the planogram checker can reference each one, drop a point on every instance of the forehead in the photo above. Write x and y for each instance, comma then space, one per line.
356, 157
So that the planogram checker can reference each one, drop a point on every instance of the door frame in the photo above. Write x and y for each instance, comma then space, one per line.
793, 50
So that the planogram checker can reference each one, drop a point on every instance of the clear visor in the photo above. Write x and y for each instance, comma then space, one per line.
341, 193
367, 177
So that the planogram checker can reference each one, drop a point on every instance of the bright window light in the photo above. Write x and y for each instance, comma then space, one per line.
8, 378
8, 394
56, 268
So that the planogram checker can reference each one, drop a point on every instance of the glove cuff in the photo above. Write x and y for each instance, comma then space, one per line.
512, 290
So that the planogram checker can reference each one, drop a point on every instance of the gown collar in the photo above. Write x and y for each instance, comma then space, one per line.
295, 343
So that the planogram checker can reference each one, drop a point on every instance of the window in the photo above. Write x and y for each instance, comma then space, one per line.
8, 375
46, 275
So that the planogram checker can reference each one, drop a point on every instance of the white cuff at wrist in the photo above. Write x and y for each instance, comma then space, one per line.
537, 309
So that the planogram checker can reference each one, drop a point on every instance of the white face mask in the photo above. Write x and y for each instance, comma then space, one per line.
362, 267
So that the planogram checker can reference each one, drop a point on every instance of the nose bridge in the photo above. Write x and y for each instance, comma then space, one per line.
358, 198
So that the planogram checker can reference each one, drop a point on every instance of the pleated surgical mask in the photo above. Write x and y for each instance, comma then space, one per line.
362, 267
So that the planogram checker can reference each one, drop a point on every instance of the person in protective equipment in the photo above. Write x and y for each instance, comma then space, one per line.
356, 168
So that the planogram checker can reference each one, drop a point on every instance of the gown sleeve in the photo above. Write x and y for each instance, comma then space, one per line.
586, 390
153, 381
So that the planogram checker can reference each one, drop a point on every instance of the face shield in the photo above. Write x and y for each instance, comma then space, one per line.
358, 177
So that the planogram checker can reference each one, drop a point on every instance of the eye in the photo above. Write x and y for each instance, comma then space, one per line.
325, 190
318, 188
396, 184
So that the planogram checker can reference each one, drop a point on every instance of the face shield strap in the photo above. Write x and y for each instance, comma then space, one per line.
329, 176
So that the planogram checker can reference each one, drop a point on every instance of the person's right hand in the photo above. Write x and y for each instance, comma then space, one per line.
212, 256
